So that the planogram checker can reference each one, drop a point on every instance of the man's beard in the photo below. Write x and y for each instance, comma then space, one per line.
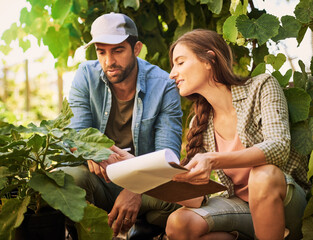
124, 73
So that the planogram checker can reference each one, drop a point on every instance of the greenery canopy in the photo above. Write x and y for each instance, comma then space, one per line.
64, 26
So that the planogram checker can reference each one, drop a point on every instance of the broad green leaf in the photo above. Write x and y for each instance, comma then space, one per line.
304, 73
94, 225
24, 44
11, 216
237, 8
304, 11
301, 33
259, 69
307, 224
290, 28
298, 104
283, 79
215, 6
64, 117
310, 172
57, 41
298, 80
301, 137
143, 52
90, 144
60, 9
259, 53
10, 34
277, 61
149, 21
36, 142
180, 11
69, 199
4, 172
135, 4
58, 177
5, 49
230, 31
261, 29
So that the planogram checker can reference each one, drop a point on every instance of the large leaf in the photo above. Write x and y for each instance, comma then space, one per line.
64, 117
90, 144
310, 172
304, 11
94, 225
230, 31
237, 8
259, 69
57, 40
60, 9
11, 216
301, 137
290, 28
215, 6
180, 11
36, 142
298, 104
69, 199
261, 29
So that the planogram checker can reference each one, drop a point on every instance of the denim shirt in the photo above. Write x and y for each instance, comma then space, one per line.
157, 114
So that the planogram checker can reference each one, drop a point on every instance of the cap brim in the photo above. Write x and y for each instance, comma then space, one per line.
108, 39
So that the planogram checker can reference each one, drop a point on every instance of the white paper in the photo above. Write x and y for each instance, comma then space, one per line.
145, 172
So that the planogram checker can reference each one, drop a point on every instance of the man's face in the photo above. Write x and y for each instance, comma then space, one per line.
118, 61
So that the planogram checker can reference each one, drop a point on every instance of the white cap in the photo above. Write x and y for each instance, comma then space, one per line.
112, 28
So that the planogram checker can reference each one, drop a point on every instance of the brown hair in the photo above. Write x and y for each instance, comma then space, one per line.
209, 47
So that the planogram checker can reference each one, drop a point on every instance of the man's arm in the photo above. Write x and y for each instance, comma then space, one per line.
168, 125
79, 100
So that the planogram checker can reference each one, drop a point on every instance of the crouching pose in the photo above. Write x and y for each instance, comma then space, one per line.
240, 129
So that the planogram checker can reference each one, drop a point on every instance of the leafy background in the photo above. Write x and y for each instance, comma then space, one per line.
64, 25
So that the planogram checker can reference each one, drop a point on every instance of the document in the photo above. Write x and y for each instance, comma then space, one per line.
152, 174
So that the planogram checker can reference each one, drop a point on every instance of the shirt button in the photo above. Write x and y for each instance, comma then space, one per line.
106, 113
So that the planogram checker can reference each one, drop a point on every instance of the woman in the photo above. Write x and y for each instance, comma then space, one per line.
241, 130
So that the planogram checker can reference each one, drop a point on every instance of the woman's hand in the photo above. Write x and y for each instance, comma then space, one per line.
200, 167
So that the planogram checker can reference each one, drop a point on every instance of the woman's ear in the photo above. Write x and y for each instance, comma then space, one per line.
211, 53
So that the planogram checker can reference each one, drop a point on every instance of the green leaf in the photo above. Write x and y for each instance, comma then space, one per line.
11, 216
283, 79
301, 137
230, 31
237, 8
215, 6
148, 21
11, 34
301, 33
64, 117
79, 6
304, 11
94, 225
90, 144
58, 177
261, 29
290, 28
135, 4
241, 69
310, 172
308, 212
24, 44
36, 142
259, 69
277, 61
298, 104
259, 53
180, 11
69, 199
298, 80
60, 9
57, 41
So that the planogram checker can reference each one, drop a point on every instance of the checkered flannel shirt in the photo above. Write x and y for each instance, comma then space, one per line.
262, 121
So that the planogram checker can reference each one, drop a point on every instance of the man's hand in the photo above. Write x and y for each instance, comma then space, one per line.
124, 212
100, 168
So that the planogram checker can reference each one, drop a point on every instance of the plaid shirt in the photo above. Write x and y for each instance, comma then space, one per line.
262, 121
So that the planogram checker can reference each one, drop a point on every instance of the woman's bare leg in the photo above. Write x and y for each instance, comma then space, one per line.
267, 191
184, 224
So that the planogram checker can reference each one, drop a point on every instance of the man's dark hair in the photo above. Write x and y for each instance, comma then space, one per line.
132, 41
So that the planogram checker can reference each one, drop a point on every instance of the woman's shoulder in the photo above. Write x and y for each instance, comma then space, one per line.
262, 79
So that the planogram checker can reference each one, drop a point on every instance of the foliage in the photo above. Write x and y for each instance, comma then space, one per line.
65, 25
30, 161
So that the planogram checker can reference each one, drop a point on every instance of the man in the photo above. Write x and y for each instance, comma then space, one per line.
135, 104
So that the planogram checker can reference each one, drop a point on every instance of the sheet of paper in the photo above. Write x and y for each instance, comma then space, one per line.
145, 172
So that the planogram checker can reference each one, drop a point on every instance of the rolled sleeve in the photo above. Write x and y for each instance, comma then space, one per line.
275, 123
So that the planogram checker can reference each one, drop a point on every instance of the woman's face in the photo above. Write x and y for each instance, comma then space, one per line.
190, 74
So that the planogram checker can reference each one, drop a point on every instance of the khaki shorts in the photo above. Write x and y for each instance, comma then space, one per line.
233, 214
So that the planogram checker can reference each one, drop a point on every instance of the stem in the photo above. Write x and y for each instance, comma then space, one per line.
46, 150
